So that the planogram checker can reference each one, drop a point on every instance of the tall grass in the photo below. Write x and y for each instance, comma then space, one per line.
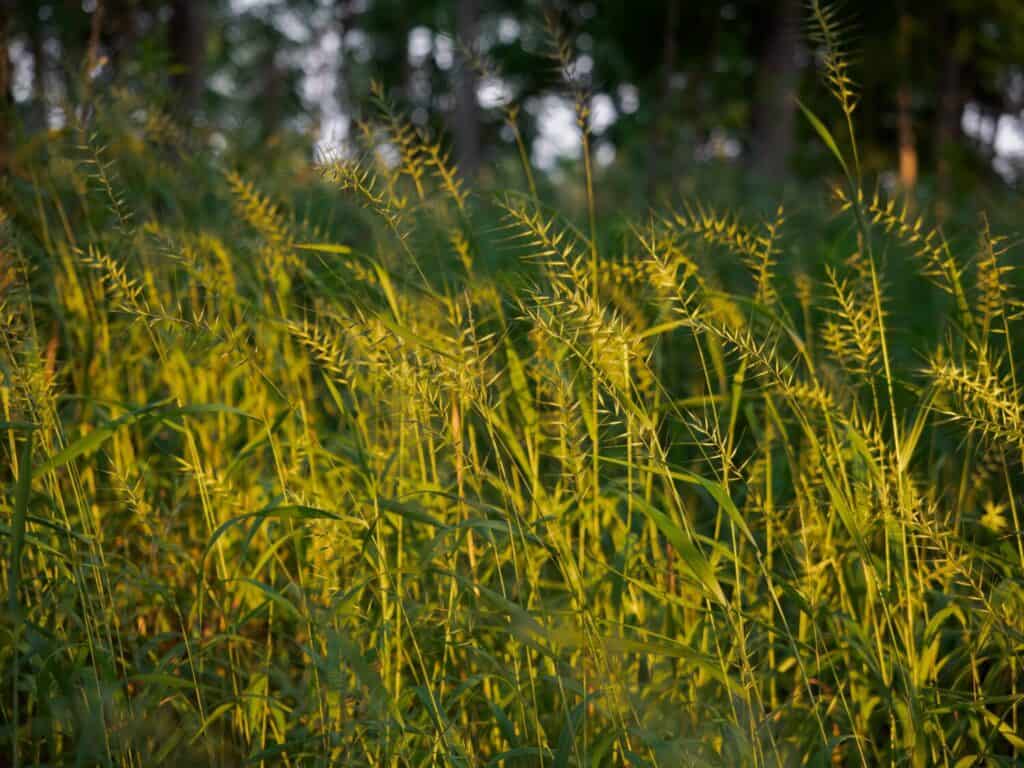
337, 489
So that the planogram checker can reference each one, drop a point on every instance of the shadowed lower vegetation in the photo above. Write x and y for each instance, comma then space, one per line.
398, 474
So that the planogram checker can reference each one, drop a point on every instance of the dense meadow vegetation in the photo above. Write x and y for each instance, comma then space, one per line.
357, 465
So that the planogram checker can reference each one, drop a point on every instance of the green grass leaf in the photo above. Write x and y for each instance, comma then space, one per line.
826, 136
22, 490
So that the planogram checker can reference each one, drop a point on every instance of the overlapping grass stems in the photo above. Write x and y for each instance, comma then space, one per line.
343, 494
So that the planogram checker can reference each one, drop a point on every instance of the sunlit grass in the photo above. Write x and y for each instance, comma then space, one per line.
326, 491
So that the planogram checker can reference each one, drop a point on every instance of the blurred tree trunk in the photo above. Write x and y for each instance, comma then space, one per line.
187, 42
656, 140
121, 32
37, 114
908, 142
274, 89
778, 74
346, 96
951, 105
701, 97
6, 98
904, 107
467, 110
92, 53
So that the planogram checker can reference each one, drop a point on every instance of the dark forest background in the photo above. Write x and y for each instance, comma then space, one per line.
673, 85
